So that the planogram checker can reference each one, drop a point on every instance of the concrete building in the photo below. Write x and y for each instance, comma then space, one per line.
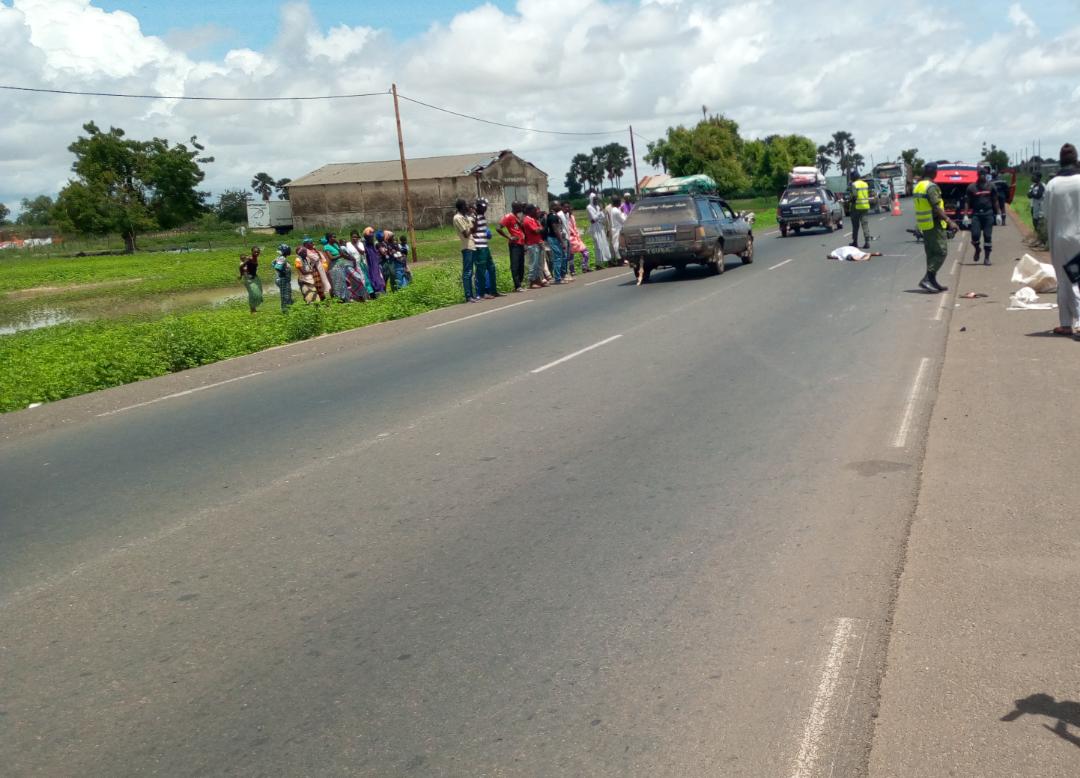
356, 194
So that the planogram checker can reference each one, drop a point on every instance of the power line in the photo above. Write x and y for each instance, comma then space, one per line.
508, 126
187, 97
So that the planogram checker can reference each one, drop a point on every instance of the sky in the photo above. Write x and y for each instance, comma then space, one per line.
941, 77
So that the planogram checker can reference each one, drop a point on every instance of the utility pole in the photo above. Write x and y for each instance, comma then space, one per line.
633, 156
404, 174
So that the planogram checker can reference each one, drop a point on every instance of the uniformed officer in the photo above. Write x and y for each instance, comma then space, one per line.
932, 221
1035, 196
860, 210
982, 202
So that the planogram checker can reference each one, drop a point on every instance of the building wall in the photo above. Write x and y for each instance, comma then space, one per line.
381, 204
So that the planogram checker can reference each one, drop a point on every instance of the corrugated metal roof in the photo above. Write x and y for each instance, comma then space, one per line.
390, 170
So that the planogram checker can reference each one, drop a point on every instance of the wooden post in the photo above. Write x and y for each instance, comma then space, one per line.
633, 156
404, 176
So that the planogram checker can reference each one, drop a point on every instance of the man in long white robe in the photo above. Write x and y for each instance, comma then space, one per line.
1063, 232
616, 219
598, 230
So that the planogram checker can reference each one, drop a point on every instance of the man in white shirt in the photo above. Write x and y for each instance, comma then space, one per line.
616, 219
598, 230
1062, 210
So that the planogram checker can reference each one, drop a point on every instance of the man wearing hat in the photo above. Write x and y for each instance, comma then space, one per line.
483, 264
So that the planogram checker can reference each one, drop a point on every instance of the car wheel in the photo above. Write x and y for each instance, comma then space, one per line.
680, 270
716, 264
783, 231
798, 230
748, 255
645, 274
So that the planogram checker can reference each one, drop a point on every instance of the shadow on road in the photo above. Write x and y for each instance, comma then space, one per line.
1065, 712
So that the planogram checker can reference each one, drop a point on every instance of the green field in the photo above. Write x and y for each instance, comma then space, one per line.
130, 317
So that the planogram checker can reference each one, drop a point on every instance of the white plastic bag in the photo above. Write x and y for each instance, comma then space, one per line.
1026, 294
1038, 275
1025, 299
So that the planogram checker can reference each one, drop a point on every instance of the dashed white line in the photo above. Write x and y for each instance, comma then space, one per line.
181, 394
609, 278
781, 264
940, 313
909, 410
482, 313
577, 353
774, 232
814, 733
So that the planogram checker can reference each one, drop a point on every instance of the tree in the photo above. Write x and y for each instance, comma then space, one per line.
824, 161
282, 192
128, 186
779, 154
232, 206
586, 169
995, 157
5, 212
573, 186
263, 185
713, 147
35, 212
842, 146
912, 159
613, 159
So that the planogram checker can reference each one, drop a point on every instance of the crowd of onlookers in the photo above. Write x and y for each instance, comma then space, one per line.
543, 245
355, 270
543, 248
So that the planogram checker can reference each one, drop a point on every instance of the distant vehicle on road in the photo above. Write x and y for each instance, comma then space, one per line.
880, 194
685, 229
899, 174
809, 206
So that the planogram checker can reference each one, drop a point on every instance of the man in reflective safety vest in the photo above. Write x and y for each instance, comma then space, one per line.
860, 210
932, 222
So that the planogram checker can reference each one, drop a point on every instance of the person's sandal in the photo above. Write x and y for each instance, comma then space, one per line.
1064, 331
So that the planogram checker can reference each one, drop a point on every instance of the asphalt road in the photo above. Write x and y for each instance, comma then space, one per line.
433, 548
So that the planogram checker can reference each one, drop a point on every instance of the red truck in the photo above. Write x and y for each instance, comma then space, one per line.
953, 179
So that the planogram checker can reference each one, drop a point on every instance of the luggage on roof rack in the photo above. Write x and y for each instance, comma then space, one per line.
699, 184
806, 176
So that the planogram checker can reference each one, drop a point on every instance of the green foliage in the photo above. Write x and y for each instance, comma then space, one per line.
263, 185
913, 160
232, 206
995, 157
128, 186
713, 147
36, 212
5, 212
282, 192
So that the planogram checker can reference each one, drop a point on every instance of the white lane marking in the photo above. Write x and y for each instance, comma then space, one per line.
814, 733
609, 278
848, 234
945, 297
774, 232
781, 264
909, 410
482, 313
577, 353
895, 255
847, 703
181, 394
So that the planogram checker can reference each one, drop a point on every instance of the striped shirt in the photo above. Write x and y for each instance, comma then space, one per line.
480, 231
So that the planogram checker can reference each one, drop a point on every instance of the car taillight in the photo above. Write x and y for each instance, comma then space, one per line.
699, 233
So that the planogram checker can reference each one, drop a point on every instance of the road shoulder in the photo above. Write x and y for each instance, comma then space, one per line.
983, 616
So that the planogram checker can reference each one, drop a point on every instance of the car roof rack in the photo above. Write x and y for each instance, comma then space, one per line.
699, 184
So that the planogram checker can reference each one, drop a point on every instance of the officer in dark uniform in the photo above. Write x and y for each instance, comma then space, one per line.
982, 203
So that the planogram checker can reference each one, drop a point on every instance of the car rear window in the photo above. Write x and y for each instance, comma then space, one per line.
801, 197
660, 210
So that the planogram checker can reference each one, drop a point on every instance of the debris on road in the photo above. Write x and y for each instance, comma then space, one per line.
1040, 276
1025, 299
974, 295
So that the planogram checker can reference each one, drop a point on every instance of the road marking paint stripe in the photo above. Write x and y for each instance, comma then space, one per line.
482, 313
940, 314
774, 232
609, 278
577, 353
781, 264
909, 410
814, 733
181, 394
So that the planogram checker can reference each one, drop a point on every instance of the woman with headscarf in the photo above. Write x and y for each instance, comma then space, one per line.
378, 285
284, 276
338, 263
386, 265
307, 264
249, 274
356, 272
598, 229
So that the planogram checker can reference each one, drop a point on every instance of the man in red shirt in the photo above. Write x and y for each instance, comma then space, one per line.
510, 228
534, 246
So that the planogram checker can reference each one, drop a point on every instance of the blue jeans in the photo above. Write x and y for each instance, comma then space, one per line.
535, 254
484, 270
558, 258
467, 257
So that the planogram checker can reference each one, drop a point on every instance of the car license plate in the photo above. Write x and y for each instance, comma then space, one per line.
801, 210
659, 240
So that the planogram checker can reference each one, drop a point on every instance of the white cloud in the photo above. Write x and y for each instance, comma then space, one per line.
774, 66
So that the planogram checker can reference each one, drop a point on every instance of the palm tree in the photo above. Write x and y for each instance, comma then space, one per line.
282, 192
263, 185
824, 162
842, 147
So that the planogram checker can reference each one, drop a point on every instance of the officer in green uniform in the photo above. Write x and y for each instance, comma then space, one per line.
932, 222
860, 210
